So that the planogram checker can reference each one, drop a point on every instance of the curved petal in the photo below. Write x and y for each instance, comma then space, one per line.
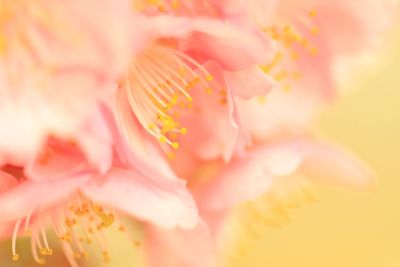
31, 196
164, 203
249, 82
96, 142
330, 164
213, 126
251, 175
278, 112
211, 39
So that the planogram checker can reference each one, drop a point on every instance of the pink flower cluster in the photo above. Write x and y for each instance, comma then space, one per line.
170, 111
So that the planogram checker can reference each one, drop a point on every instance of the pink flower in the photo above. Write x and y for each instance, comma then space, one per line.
191, 68
79, 197
312, 36
270, 172
277, 148
58, 59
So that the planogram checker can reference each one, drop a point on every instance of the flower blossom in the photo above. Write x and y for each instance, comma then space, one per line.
279, 156
57, 60
62, 189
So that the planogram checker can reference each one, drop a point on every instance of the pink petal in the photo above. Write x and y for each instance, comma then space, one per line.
279, 112
162, 202
30, 196
249, 82
59, 160
211, 39
96, 142
213, 127
250, 176
7, 181
333, 165
183, 248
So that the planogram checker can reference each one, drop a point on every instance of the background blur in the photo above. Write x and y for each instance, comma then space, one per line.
342, 228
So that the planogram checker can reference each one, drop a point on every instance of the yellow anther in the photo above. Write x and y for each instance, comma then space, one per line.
15, 257
189, 105
189, 99
313, 51
49, 252
314, 30
174, 99
43, 251
175, 145
312, 13
162, 139
183, 130
209, 77
151, 126
208, 90
222, 92
192, 83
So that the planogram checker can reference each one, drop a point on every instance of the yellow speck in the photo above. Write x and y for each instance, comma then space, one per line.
15, 257
43, 251
175, 145
314, 30
312, 13
209, 77
208, 90
183, 130
262, 99
162, 139
49, 252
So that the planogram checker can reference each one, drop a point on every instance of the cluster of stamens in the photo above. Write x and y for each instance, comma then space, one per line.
77, 225
292, 40
158, 88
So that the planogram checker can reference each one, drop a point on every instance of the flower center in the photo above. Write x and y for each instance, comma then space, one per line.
293, 39
77, 224
158, 87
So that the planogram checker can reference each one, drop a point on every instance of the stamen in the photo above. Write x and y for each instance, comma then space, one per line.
157, 89
48, 250
15, 256
39, 260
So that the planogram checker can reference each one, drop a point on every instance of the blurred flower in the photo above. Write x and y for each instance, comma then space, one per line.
57, 60
277, 150
147, 76
190, 69
62, 188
